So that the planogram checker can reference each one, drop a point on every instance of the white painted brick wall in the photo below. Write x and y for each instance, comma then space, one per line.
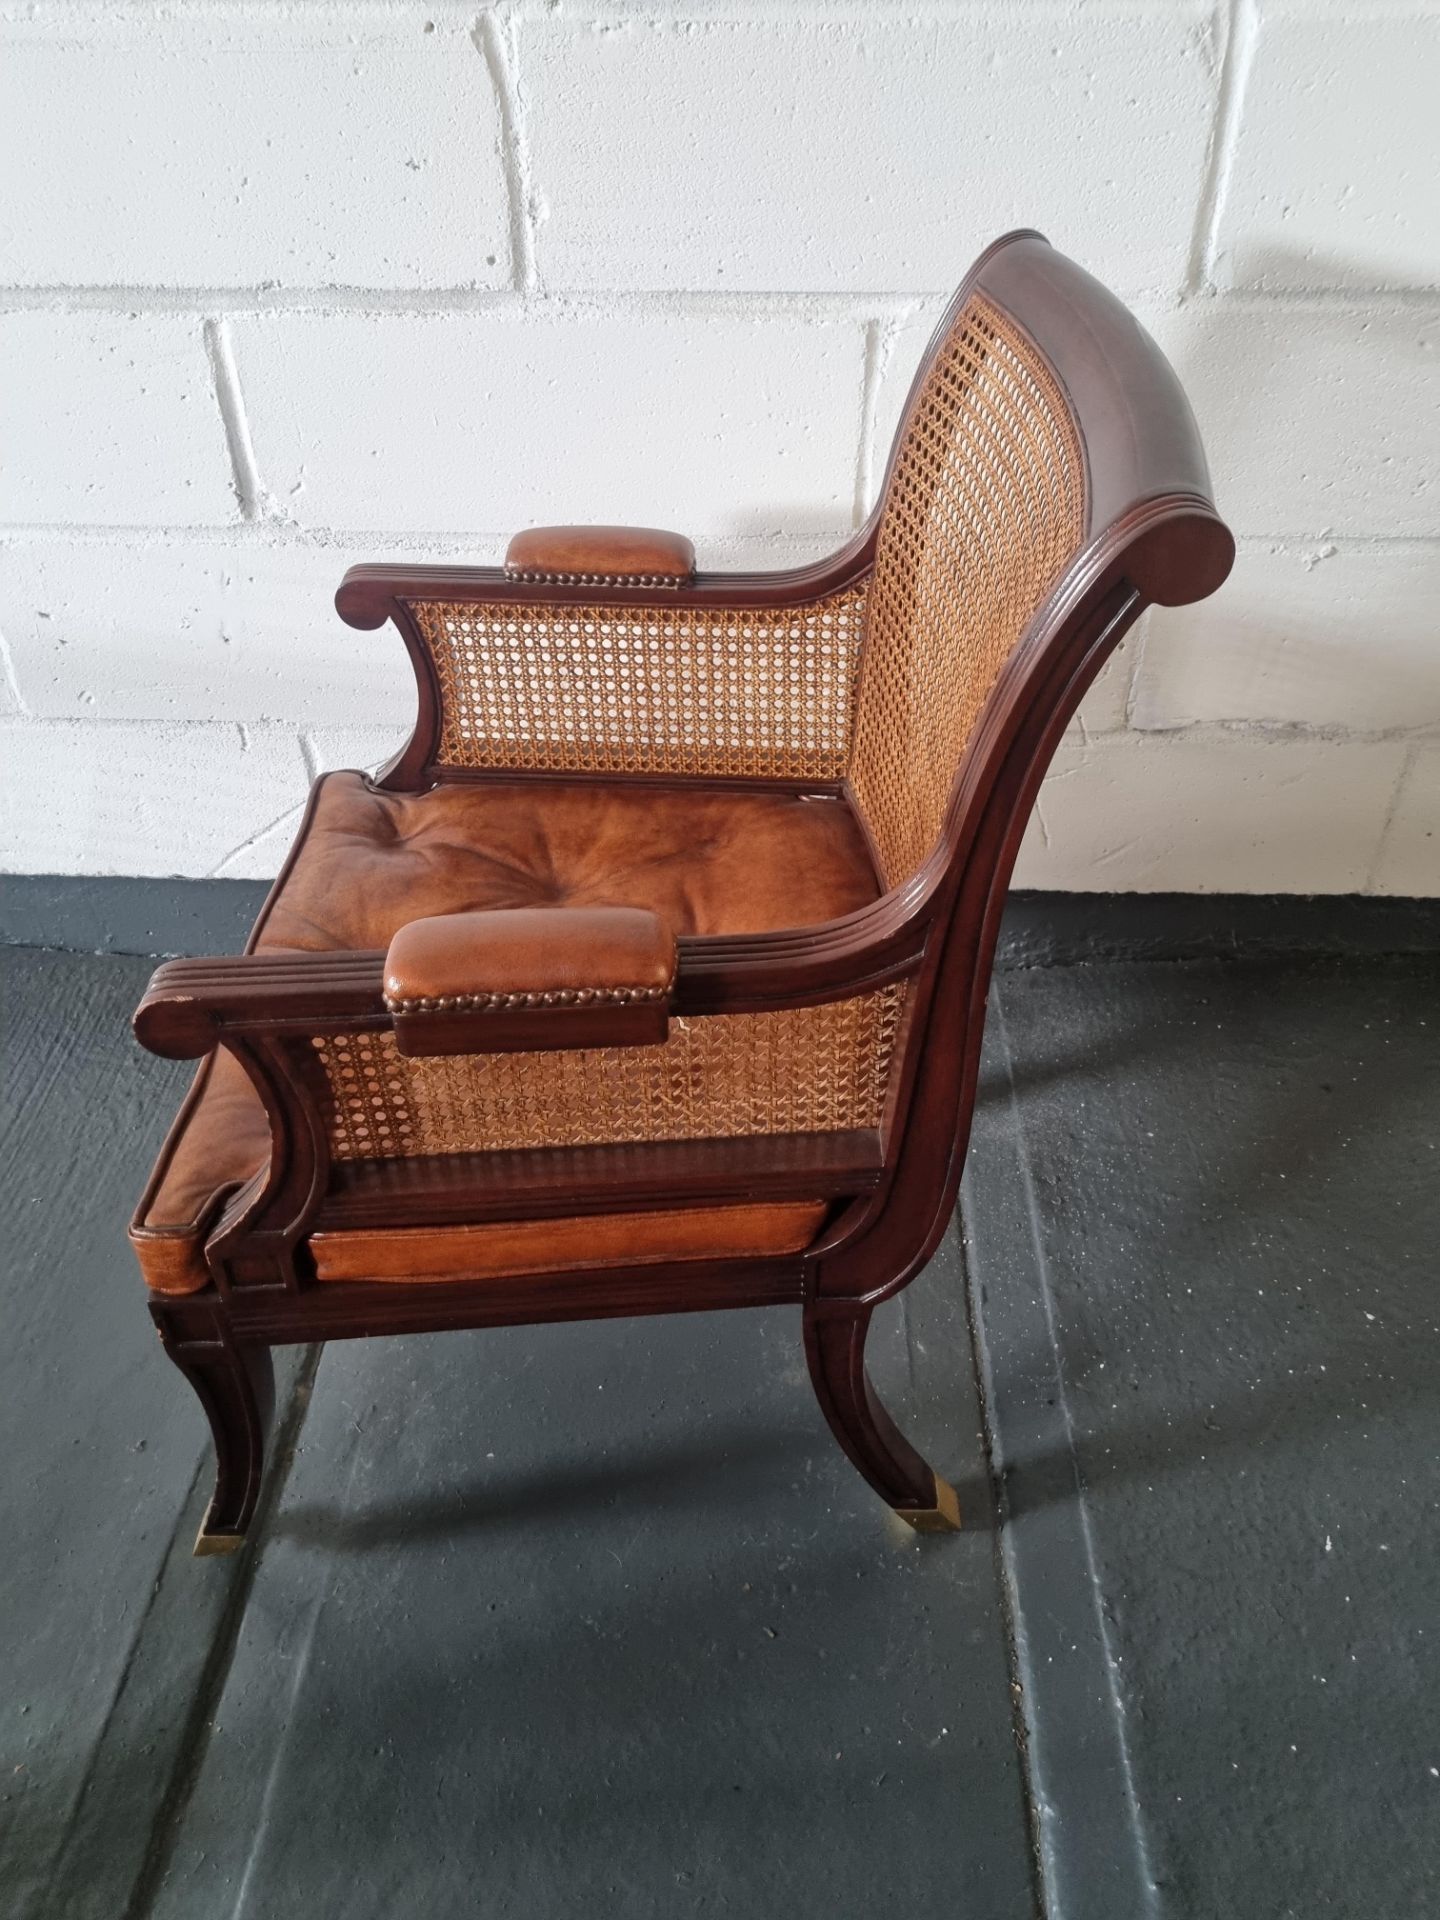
1300, 621
1333, 176
110, 419
255, 627
142, 796
1318, 417
1201, 812
732, 425
367, 153
853, 147
286, 284
1410, 847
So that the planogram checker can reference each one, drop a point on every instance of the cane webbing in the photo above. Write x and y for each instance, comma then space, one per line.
818, 1069
984, 507
724, 693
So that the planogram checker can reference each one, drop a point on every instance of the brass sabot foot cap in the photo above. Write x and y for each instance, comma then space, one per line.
943, 1517
217, 1541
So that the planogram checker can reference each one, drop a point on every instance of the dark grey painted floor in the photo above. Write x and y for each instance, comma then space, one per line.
544, 1622
106, 1624
595, 1618
1203, 1212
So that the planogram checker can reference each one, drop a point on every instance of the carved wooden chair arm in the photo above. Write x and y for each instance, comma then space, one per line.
599, 650
376, 591
192, 1005
357, 1067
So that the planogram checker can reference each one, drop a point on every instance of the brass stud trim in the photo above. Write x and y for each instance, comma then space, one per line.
537, 997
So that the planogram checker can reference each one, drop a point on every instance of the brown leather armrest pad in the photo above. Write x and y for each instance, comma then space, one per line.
596, 556
524, 977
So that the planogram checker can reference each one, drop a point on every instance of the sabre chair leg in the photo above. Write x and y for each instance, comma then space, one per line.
835, 1350
236, 1387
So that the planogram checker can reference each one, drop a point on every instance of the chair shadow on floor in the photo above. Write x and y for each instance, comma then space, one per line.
716, 1475
1237, 1428
649, 1480
1263, 1158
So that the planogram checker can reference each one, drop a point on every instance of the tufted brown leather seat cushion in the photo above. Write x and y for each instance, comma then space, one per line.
704, 859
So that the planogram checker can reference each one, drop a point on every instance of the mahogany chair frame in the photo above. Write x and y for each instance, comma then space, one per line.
1152, 535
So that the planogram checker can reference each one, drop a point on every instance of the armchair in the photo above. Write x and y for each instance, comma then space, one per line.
650, 975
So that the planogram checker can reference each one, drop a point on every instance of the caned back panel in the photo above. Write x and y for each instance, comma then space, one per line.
984, 507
